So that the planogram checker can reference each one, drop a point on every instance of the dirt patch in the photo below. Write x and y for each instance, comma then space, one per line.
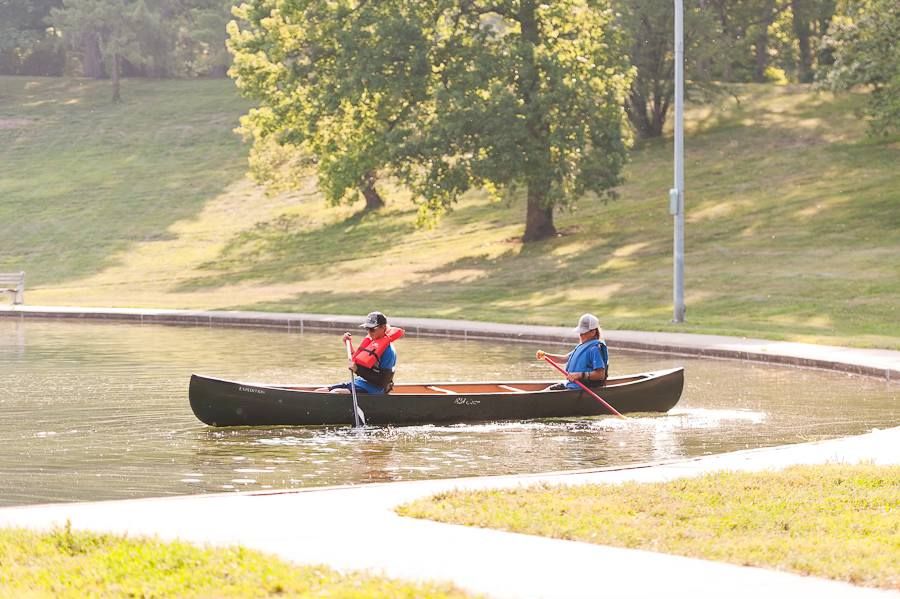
14, 123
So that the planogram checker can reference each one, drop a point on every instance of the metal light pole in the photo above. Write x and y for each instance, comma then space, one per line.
676, 194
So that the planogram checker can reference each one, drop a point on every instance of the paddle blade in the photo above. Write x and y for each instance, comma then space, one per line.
361, 415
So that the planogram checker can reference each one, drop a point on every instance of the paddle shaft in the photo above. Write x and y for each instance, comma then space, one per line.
353, 386
583, 386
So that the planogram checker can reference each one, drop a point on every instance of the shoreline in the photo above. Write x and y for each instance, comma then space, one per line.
877, 363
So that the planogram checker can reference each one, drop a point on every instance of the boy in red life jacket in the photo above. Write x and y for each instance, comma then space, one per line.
374, 361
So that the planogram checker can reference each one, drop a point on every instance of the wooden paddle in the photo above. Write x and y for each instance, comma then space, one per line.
582, 385
358, 415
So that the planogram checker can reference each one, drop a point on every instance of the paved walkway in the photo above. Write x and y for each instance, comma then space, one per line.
356, 527
871, 362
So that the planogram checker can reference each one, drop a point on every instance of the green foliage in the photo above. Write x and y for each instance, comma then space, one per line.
158, 38
446, 96
200, 29
866, 53
26, 46
835, 521
725, 41
121, 29
527, 95
649, 25
334, 81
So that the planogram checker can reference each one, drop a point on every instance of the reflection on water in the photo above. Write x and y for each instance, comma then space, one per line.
100, 411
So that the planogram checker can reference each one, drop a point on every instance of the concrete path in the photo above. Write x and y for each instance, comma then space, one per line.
355, 528
870, 362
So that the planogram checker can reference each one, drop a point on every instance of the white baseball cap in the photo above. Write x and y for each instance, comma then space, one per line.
587, 322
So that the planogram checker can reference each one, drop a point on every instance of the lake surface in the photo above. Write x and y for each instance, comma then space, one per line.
96, 411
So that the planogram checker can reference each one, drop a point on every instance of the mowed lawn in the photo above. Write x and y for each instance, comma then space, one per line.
791, 225
834, 521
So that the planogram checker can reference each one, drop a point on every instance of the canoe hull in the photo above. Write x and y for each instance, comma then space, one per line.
220, 402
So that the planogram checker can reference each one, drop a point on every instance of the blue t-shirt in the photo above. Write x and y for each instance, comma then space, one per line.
387, 362
587, 357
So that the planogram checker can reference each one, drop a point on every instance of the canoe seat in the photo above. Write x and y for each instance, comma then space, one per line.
441, 390
514, 389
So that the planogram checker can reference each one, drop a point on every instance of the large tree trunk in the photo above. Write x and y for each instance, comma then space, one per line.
802, 30
762, 54
647, 115
824, 15
117, 96
724, 23
373, 200
538, 216
639, 115
91, 59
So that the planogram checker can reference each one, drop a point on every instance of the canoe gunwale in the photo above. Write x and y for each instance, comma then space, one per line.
446, 387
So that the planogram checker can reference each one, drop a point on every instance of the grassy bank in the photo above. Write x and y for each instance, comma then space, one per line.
835, 521
77, 564
792, 220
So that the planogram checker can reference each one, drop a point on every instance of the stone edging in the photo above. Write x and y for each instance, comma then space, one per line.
877, 363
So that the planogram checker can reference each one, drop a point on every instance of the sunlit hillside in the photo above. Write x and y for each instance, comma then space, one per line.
792, 222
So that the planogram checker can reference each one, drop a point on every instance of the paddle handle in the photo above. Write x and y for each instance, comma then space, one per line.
352, 385
582, 385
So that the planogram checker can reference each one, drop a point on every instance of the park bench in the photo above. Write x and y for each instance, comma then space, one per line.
13, 282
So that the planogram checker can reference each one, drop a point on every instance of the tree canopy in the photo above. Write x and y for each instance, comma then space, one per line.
339, 81
865, 50
444, 95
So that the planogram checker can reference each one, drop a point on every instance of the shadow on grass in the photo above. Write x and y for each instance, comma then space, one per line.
520, 282
287, 249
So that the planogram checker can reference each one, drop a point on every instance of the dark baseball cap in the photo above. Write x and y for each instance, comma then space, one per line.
374, 320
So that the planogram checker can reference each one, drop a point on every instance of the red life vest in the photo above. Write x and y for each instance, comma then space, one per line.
369, 352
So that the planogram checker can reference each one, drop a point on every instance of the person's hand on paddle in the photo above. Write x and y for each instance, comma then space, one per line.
351, 365
346, 337
540, 354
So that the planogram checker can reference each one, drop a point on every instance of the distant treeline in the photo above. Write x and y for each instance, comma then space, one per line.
725, 41
730, 40
105, 38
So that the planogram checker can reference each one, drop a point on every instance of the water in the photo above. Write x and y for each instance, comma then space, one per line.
100, 411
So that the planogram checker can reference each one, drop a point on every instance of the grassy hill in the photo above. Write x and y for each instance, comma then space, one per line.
792, 222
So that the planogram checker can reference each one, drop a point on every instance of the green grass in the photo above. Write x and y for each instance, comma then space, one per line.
84, 180
834, 521
792, 220
64, 563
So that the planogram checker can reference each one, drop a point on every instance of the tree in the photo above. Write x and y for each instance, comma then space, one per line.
650, 28
338, 81
115, 26
743, 30
203, 36
801, 21
26, 45
527, 95
865, 50
445, 95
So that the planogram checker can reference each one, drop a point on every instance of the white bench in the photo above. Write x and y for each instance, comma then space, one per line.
13, 282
